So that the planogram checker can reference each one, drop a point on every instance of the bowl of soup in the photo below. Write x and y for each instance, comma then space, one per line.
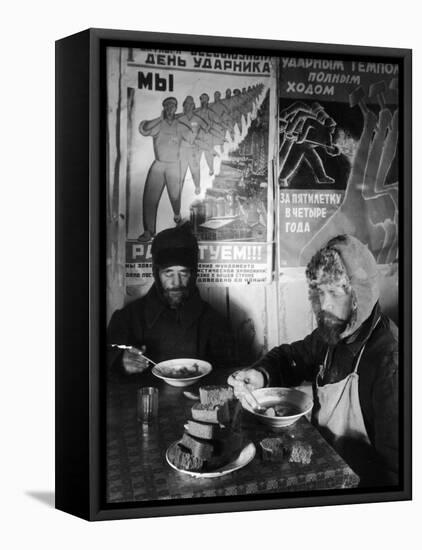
181, 372
279, 407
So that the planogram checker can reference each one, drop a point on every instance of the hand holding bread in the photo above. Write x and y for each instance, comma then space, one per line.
244, 382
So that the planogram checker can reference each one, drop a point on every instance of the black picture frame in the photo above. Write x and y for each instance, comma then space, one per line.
80, 277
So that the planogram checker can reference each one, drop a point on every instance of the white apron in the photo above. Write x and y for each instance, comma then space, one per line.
340, 420
340, 413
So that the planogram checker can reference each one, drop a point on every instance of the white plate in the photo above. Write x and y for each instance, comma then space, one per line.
246, 455
159, 370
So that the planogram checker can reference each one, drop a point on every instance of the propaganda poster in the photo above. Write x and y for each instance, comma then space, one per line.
195, 129
338, 168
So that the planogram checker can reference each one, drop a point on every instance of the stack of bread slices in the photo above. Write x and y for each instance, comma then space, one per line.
212, 437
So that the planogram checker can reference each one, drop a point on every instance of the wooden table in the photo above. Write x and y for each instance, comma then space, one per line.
137, 469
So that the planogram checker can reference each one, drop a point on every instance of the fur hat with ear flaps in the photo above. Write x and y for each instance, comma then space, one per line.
362, 271
175, 246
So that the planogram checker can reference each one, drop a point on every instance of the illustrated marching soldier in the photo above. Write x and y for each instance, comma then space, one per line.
190, 125
165, 170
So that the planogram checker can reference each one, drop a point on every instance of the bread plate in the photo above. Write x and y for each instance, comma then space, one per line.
245, 456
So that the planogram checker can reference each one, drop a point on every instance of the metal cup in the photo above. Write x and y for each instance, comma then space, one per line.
147, 405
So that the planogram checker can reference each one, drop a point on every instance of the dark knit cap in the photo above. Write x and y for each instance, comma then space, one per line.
175, 246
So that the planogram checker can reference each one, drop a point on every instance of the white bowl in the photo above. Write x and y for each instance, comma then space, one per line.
167, 371
290, 397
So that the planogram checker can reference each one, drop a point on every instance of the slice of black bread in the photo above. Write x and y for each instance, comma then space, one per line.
215, 395
204, 430
200, 448
218, 414
276, 449
300, 452
182, 458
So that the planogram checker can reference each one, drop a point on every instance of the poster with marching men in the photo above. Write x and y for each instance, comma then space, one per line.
192, 141
338, 156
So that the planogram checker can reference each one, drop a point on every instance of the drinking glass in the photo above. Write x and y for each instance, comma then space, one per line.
147, 405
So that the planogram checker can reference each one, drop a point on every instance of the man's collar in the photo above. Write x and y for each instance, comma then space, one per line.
356, 340
188, 314
154, 306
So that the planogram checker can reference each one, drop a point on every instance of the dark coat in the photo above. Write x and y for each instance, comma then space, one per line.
195, 330
292, 364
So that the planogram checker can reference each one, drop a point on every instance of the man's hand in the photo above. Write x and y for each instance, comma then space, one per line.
134, 361
244, 382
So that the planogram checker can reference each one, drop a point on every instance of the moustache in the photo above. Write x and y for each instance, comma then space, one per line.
330, 327
329, 319
175, 297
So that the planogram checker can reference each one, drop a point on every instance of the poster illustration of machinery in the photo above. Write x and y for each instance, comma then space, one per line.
198, 151
338, 167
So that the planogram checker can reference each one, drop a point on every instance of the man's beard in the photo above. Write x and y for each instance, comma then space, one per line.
330, 327
176, 297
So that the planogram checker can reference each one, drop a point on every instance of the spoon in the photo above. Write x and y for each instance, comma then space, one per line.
256, 407
123, 346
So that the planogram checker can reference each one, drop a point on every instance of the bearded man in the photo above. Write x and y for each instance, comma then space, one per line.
351, 359
171, 321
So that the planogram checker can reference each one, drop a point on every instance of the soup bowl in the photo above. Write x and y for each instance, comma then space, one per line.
181, 372
288, 404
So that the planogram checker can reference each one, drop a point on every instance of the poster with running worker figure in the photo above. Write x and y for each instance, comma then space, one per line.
194, 128
338, 165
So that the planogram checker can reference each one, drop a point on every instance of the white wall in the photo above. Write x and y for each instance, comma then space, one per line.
27, 400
